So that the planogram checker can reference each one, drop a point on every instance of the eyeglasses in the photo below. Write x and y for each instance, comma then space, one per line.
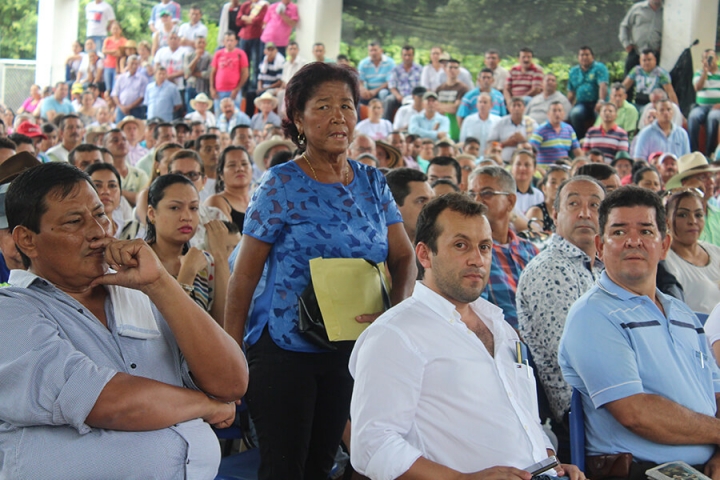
486, 194
193, 176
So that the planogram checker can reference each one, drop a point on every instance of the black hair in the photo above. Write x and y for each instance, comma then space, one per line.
585, 47
443, 181
156, 193
233, 228
26, 198
646, 51
399, 179
21, 139
283, 156
472, 140
65, 118
219, 181
305, 83
638, 174
83, 148
206, 136
427, 230
5, 142
447, 161
48, 128
238, 127
189, 144
599, 171
633, 196
156, 130
92, 168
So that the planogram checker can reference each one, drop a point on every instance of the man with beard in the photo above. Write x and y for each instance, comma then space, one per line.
449, 351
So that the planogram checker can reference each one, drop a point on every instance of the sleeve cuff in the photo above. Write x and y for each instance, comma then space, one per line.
392, 459
79, 395
616, 392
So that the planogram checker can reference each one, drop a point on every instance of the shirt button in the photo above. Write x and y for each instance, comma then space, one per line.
525, 427
132, 365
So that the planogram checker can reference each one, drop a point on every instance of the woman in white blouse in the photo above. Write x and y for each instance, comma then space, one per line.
695, 264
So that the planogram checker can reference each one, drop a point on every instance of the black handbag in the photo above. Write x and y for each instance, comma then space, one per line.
310, 319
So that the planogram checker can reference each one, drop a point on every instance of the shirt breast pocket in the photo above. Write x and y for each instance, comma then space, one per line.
525, 384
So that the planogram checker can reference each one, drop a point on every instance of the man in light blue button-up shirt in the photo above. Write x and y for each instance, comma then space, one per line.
429, 123
104, 373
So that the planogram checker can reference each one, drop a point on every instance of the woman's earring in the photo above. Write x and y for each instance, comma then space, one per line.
301, 139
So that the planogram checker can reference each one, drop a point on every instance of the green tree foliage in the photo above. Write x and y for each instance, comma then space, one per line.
553, 28
18, 27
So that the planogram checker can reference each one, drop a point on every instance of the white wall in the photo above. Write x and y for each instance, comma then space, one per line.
683, 22
320, 21
57, 29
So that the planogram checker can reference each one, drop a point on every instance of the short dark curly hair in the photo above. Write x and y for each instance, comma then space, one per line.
303, 85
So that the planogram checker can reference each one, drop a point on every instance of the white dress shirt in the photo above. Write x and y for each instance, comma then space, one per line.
425, 385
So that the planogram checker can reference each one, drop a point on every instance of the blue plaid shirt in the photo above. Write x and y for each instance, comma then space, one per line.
508, 261
371, 76
403, 80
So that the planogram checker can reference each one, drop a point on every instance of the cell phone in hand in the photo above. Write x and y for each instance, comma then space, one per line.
542, 466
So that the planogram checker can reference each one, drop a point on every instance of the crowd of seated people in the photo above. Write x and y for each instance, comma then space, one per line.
209, 181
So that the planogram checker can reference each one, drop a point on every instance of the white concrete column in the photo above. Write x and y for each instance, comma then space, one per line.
56, 30
683, 22
320, 21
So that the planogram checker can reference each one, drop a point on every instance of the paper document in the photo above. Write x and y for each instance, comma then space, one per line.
346, 288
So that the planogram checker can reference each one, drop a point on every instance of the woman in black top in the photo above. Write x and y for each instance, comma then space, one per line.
234, 177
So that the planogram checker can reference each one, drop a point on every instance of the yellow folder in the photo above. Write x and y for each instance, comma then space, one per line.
346, 288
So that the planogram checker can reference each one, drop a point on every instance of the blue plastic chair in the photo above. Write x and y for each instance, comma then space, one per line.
241, 466
577, 431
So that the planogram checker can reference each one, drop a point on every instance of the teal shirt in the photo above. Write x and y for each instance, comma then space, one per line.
711, 232
586, 83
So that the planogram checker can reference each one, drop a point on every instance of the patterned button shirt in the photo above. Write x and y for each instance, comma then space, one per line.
548, 287
403, 80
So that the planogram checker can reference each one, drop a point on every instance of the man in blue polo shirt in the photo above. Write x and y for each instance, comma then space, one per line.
374, 71
639, 358
587, 84
555, 139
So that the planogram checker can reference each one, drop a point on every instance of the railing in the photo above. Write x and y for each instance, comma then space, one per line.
16, 76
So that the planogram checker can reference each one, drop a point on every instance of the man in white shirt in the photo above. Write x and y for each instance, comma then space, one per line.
171, 57
480, 124
463, 405
98, 14
409, 108
192, 30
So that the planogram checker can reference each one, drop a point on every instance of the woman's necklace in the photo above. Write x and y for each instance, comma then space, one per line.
347, 170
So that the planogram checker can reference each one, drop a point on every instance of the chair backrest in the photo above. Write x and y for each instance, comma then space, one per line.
577, 431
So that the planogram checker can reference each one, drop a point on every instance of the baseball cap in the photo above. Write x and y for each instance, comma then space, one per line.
427, 95
30, 130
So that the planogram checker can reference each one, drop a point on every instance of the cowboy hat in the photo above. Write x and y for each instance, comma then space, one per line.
689, 165
266, 96
202, 98
392, 153
95, 131
130, 119
128, 44
264, 147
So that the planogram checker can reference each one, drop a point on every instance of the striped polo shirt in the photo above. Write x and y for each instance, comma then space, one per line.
552, 145
608, 142
710, 93
521, 83
373, 76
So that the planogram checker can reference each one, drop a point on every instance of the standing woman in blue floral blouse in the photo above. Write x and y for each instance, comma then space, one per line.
322, 204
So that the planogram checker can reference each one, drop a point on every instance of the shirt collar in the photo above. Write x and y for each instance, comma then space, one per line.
443, 307
21, 278
608, 286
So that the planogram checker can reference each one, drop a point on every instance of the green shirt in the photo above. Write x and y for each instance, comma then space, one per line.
711, 232
710, 93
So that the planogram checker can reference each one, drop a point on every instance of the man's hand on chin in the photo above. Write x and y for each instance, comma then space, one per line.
136, 265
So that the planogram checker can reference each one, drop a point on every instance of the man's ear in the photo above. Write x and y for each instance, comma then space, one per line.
599, 246
24, 239
422, 253
512, 198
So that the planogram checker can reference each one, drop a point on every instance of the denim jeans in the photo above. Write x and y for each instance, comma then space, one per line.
254, 50
109, 77
137, 112
699, 115
190, 93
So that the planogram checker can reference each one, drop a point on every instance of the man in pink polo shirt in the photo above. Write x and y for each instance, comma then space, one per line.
228, 72
280, 19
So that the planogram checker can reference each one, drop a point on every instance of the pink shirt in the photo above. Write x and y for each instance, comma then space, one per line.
228, 66
111, 44
276, 30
